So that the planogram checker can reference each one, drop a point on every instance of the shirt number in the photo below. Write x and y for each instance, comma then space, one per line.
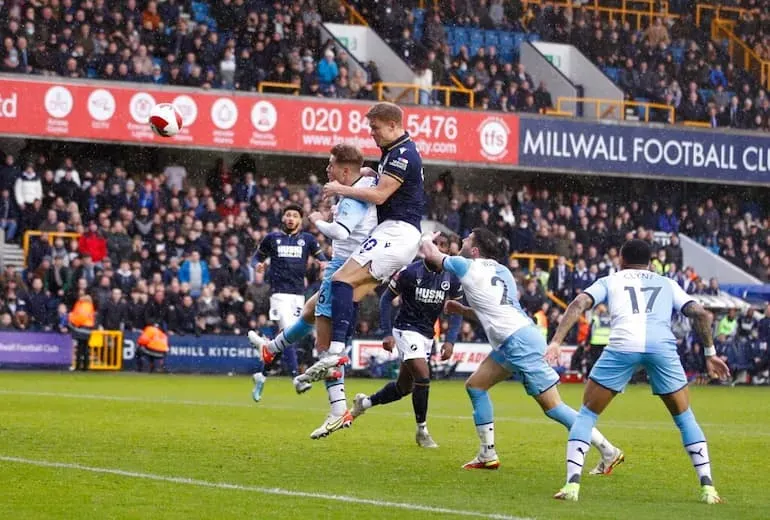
496, 280
635, 300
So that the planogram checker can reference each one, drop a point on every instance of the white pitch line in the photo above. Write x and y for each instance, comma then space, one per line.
741, 430
257, 489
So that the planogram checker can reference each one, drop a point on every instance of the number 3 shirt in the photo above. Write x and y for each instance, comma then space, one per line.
640, 304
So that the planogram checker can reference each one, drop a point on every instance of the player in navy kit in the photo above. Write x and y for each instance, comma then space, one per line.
423, 292
400, 199
288, 251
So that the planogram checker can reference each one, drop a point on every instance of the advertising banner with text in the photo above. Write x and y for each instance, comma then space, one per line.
643, 150
35, 349
100, 111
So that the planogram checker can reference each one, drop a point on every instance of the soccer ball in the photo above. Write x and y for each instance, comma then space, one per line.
165, 120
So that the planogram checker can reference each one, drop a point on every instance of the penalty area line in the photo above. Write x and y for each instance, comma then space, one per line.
256, 489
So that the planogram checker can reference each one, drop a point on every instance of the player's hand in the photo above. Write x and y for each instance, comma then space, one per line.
552, 353
446, 350
427, 248
316, 216
388, 343
717, 368
331, 188
260, 267
454, 307
368, 172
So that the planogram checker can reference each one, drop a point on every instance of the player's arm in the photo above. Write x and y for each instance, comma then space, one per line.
592, 296
574, 311
315, 249
377, 195
263, 253
456, 308
701, 322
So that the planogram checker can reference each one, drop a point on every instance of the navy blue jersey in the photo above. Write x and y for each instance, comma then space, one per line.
423, 294
288, 256
401, 160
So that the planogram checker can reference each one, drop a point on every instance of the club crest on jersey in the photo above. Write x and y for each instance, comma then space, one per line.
301, 242
445, 285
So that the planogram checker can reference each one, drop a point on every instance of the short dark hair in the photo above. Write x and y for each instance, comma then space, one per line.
486, 242
347, 154
387, 112
636, 252
293, 207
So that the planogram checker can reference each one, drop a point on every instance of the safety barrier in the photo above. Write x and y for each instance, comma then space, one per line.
354, 17
283, 86
742, 55
106, 350
413, 91
614, 109
639, 13
52, 235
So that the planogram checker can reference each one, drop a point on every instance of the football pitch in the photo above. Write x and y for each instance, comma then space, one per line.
126, 446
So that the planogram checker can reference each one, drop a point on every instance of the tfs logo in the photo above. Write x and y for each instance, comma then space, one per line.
493, 138
9, 106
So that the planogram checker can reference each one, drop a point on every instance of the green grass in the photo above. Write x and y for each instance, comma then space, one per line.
208, 428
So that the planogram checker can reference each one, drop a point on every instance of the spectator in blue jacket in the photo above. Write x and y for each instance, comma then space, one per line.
327, 70
668, 222
717, 77
195, 272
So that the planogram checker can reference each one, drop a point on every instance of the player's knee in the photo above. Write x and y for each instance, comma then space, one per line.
405, 387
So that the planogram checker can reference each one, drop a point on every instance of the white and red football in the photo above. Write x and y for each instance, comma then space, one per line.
165, 119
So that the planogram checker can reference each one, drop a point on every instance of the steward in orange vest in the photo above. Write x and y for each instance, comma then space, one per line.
81, 321
153, 345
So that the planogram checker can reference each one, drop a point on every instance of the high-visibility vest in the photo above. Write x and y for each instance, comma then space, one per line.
83, 314
541, 321
600, 330
154, 339
582, 331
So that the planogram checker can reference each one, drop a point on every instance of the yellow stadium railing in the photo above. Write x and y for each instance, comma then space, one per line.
52, 235
354, 17
283, 86
742, 55
531, 260
106, 350
604, 108
413, 91
718, 12
696, 124
639, 13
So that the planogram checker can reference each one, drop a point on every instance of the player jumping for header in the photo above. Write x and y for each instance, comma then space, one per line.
423, 292
400, 199
518, 346
640, 304
353, 221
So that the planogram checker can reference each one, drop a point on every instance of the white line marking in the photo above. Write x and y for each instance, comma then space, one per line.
256, 489
743, 430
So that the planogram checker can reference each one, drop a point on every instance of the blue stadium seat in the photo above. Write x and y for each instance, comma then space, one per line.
91, 73
417, 32
450, 34
491, 38
508, 54
533, 37
678, 54
211, 23
474, 48
477, 37
506, 41
461, 36
705, 93
517, 39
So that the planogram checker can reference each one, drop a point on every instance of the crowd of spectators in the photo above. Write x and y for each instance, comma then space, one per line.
239, 46
139, 235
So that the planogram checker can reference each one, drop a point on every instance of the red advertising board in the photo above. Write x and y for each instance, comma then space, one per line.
101, 111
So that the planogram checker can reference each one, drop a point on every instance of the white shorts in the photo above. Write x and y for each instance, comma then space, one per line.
391, 246
285, 309
412, 345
